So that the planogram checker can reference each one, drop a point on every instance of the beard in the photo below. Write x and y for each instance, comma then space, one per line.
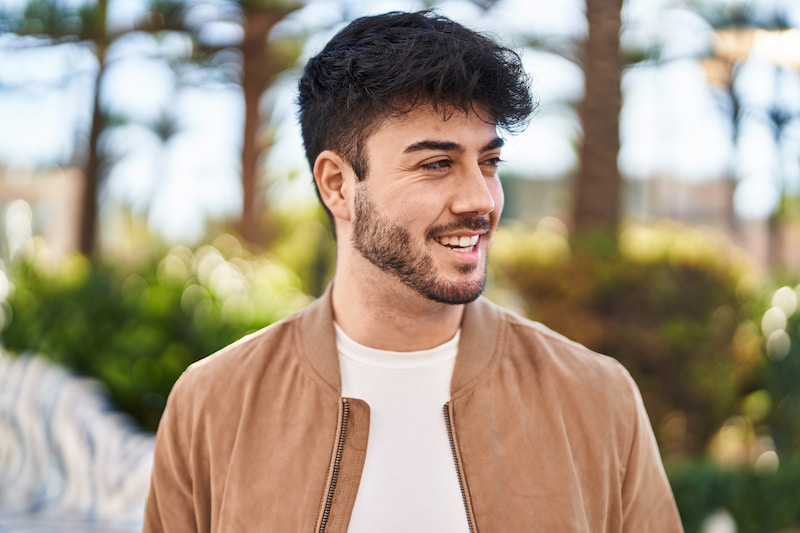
390, 248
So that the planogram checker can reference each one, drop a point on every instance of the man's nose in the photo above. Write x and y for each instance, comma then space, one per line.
472, 194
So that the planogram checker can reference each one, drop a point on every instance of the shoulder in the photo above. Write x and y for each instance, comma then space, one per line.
550, 350
251, 351
588, 389
241, 365
550, 356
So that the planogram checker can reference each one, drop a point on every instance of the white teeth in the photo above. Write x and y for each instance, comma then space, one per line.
461, 242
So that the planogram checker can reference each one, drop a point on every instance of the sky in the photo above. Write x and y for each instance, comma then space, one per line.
671, 123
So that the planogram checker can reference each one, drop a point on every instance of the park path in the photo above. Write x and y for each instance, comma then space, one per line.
69, 461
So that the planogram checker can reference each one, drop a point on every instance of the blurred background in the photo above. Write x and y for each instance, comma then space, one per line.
156, 205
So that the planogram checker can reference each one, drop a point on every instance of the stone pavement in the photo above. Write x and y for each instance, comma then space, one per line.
69, 462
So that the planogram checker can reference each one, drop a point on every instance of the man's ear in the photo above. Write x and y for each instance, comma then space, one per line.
334, 178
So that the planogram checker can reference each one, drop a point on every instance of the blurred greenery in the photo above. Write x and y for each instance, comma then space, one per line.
674, 304
758, 502
137, 324
713, 344
781, 328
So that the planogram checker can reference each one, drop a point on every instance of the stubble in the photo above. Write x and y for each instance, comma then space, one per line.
390, 248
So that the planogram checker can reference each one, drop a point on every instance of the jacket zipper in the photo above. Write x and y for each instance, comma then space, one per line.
458, 469
336, 464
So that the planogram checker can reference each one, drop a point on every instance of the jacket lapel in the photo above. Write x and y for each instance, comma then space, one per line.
478, 344
319, 340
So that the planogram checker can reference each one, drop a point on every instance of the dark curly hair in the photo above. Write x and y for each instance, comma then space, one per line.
387, 65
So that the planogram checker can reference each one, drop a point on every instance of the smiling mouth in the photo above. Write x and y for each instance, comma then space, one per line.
459, 244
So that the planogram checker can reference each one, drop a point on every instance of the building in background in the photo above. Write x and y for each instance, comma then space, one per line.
40, 203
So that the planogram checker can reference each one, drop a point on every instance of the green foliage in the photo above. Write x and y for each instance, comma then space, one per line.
780, 326
673, 304
304, 244
716, 355
136, 327
757, 501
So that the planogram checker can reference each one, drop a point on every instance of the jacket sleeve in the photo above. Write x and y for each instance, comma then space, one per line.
170, 503
647, 499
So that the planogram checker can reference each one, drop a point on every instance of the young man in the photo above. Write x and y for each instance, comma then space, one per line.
401, 401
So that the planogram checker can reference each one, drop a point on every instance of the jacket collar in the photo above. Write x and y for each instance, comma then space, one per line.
477, 345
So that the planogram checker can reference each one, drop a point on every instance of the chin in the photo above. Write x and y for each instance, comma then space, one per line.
455, 293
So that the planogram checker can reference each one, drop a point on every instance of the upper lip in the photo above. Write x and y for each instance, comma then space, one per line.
469, 228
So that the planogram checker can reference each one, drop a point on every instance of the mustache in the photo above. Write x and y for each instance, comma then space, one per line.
480, 224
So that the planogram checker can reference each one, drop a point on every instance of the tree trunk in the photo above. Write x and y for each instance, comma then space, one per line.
257, 74
87, 244
598, 187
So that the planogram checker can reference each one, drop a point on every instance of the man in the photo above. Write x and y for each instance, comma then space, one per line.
401, 401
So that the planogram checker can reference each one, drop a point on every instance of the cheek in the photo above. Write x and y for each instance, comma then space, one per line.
418, 207
496, 190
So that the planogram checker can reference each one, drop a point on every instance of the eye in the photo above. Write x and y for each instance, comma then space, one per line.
437, 165
493, 162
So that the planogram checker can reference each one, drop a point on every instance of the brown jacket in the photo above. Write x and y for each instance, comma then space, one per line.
547, 435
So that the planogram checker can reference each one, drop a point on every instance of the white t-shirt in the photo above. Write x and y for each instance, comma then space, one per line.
409, 482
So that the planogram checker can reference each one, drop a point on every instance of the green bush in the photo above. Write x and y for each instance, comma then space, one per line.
780, 326
757, 501
675, 305
715, 353
136, 327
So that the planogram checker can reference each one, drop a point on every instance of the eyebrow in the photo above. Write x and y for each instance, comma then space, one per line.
446, 146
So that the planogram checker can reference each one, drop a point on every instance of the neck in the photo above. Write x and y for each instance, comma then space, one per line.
382, 313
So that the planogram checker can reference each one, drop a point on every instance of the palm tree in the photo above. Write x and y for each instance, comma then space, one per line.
262, 62
597, 189
55, 23
597, 186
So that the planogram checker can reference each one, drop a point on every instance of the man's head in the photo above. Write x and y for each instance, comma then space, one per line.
399, 116
388, 65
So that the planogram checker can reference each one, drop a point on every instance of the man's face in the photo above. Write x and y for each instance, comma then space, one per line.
430, 203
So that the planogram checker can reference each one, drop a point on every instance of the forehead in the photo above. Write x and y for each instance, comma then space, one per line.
429, 123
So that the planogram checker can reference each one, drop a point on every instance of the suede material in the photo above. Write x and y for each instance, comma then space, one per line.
553, 437
549, 436
247, 438
350, 467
